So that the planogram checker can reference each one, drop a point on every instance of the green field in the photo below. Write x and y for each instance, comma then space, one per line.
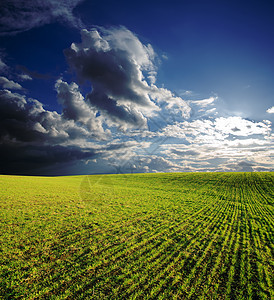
142, 236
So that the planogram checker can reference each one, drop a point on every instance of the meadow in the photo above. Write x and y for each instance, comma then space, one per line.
141, 236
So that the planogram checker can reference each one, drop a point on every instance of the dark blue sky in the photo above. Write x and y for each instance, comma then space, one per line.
220, 50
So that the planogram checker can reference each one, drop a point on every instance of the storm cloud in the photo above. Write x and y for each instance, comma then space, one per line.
26, 120
32, 137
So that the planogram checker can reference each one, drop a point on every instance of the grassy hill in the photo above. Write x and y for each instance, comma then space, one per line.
142, 236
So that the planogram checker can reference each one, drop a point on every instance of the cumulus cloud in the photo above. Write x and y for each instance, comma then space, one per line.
220, 144
9, 84
18, 16
117, 115
29, 131
121, 73
32, 137
171, 105
217, 129
26, 120
241, 127
75, 108
227, 155
113, 64
270, 110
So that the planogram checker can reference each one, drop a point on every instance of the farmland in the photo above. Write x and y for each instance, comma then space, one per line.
141, 236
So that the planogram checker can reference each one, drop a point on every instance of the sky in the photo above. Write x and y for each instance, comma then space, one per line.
89, 86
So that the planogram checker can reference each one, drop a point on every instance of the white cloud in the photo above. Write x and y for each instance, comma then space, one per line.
75, 108
9, 84
122, 72
270, 110
123, 39
203, 108
174, 105
212, 144
204, 102
24, 77
217, 129
241, 127
113, 61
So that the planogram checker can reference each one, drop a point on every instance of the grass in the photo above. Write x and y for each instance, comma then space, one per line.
142, 236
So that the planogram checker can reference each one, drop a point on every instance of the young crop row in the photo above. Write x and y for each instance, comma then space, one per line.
143, 236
